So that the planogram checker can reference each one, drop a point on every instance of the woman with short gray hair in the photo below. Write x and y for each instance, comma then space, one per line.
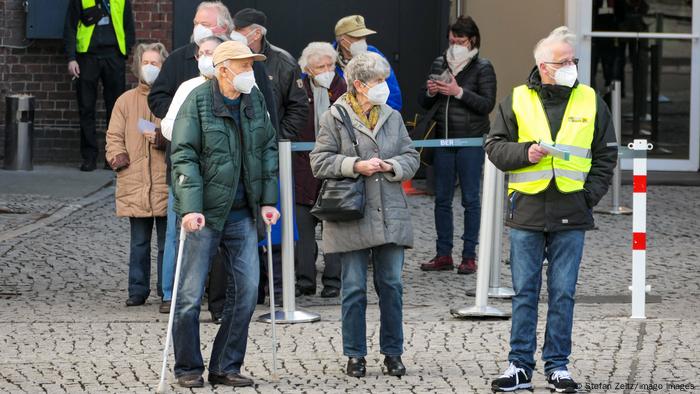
384, 157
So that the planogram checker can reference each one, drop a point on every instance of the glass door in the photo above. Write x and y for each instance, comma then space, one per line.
652, 47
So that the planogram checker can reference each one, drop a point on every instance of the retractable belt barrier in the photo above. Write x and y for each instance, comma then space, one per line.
488, 274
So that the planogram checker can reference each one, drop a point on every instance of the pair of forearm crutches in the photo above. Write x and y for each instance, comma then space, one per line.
183, 236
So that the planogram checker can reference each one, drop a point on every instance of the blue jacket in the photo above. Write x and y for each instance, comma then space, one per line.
394, 100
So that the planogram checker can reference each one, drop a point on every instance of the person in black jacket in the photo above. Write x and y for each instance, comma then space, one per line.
97, 42
211, 18
459, 95
551, 198
282, 71
292, 107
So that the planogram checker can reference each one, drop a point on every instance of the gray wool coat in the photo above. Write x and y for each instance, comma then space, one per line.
387, 217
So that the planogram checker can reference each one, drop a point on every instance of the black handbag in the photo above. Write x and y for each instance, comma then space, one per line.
341, 200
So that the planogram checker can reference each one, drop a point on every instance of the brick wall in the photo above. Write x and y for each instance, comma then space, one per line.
39, 68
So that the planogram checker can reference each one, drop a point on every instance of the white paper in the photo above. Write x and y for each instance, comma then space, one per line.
145, 125
556, 152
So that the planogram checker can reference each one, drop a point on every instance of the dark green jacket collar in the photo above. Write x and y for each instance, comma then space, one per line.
219, 107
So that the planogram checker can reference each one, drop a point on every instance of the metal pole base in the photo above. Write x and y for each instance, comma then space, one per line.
616, 211
495, 292
474, 311
501, 292
282, 317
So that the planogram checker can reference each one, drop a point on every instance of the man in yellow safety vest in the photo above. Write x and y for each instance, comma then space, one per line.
98, 35
555, 138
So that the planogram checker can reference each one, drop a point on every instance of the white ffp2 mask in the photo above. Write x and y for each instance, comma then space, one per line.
149, 73
378, 94
566, 75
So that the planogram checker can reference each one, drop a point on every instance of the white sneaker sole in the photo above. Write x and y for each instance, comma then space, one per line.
521, 386
556, 390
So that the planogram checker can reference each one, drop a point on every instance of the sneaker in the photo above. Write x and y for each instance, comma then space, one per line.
561, 382
514, 378
468, 266
439, 263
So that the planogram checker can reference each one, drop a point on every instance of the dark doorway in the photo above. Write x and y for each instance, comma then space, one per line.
411, 33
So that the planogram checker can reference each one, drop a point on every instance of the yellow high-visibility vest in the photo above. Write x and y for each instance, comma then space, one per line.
575, 135
84, 33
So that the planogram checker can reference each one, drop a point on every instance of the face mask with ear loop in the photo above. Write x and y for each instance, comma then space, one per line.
378, 94
566, 75
357, 47
242, 82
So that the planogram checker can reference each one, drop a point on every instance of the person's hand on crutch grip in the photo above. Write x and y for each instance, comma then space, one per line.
193, 222
270, 215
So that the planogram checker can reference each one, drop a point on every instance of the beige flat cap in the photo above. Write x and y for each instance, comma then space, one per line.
234, 50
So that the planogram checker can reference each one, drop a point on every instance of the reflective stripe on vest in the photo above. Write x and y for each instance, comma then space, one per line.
575, 136
84, 33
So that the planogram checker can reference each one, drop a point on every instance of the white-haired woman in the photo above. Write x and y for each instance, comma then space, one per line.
323, 87
384, 157
135, 150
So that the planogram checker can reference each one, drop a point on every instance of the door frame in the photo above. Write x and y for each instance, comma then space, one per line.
579, 19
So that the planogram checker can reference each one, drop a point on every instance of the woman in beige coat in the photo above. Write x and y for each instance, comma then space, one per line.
136, 151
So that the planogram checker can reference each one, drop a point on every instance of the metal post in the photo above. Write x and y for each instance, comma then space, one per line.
617, 178
639, 228
495, 289
489, 195
19, 131
289, 313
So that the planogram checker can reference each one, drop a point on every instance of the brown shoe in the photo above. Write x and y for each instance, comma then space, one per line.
164, 307
439, 263
230, 379
468, 266
190, 381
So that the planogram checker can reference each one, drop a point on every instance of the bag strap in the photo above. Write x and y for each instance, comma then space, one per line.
347, 122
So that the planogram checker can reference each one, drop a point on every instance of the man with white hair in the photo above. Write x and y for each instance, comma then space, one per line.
555, 138
224, 155
212, 18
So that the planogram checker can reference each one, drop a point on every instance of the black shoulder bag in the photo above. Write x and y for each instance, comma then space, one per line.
341, 200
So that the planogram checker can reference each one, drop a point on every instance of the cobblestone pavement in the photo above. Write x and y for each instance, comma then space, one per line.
64, 326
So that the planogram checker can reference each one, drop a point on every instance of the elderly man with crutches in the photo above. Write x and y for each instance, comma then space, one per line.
224, 156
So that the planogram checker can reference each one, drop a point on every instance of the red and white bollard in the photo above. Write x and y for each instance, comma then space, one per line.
639, 228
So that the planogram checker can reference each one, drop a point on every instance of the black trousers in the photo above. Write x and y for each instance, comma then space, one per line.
306, 252
110, 69
216, 286
263, 290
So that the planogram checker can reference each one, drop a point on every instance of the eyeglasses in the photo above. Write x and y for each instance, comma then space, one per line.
566, 62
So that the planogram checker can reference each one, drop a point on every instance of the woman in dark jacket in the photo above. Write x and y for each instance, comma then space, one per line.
323, 86
459, 95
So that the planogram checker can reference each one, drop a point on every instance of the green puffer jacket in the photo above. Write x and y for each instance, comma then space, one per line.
206, 166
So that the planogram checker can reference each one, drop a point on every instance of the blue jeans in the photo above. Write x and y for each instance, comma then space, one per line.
387, 264
448, 164
563, 251
170, 252
239, 243
140, 255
